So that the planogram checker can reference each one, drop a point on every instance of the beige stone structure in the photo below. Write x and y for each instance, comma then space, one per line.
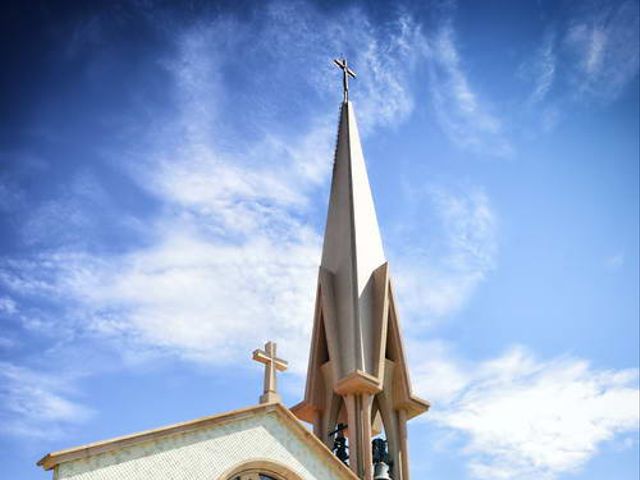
357, 372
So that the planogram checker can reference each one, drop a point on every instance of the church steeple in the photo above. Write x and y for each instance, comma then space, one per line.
357, 372
352, 247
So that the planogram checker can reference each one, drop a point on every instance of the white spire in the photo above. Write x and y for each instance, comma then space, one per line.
352, 237
352, 244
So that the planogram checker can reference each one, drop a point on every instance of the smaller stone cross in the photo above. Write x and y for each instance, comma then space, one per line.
272, 364
346, 73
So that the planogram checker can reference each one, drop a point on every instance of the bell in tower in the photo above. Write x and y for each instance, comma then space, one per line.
381, 461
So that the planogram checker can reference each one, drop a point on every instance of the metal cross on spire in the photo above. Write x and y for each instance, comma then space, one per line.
346, 73
272, 363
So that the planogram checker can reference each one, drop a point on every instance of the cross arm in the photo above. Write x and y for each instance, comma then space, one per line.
343, 66
262, 357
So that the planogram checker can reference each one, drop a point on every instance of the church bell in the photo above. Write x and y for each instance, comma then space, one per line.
381, 471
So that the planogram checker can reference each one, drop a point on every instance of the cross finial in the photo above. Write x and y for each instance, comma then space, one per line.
346, 73
272, 363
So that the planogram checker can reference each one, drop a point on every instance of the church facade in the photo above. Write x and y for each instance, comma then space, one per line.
358, 397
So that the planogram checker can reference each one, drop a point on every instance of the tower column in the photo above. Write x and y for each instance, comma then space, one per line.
403, 450
318, 429
366, 405
359, 407
353, 433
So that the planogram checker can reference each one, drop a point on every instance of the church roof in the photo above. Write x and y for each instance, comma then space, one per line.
51, 460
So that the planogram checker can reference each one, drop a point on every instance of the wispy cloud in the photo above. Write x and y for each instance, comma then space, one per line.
438, 279
388, 62
10, 196
614, 262
200, 299
542, 69
7, 306
35, 404
463, 116
522, 417
589, 55
604, 42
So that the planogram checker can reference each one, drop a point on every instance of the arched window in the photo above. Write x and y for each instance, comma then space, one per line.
251, 476
261, 469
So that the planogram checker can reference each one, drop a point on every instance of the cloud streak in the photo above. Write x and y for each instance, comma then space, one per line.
603, 41
436, 280
464, 118
542, 69
37, 405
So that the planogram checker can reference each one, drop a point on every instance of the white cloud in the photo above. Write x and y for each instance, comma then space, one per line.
438, 279
7, 343
614, 262
592, 55
522, 417
603, 40
542, 69
7, 306
10, 196
204, 300
36, 404
465, 119
385, 63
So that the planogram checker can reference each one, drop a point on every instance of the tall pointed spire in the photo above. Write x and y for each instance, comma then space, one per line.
352, 247
357, 372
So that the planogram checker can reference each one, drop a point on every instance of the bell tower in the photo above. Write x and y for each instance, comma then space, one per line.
357, 374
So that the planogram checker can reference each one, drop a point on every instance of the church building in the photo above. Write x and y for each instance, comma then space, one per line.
358, 397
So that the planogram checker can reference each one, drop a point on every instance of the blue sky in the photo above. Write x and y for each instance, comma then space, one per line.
164, 175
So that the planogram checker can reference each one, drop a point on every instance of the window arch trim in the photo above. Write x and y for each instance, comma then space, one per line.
260, 465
